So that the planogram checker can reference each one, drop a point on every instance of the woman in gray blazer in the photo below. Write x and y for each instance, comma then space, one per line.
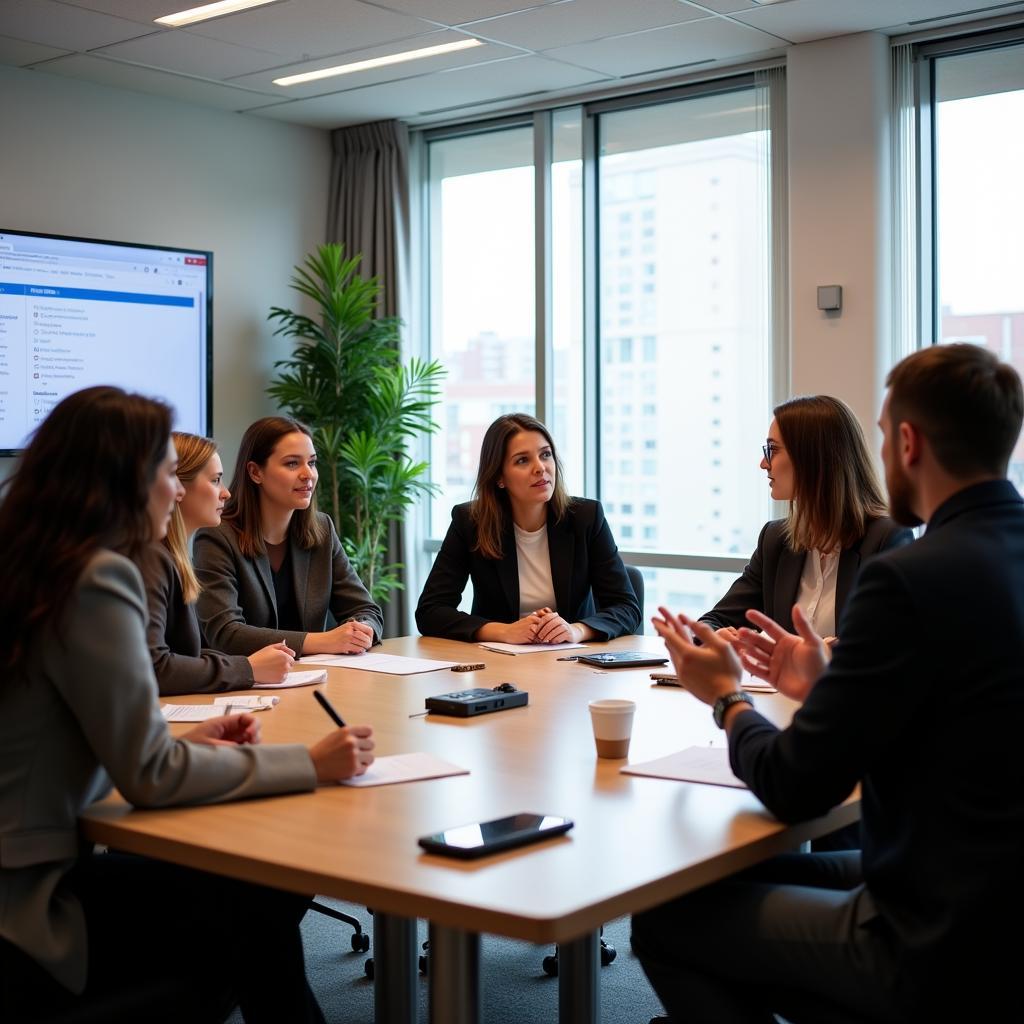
181, 663
274, 570
110, 935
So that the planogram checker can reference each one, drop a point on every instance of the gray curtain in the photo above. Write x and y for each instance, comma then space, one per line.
368, 211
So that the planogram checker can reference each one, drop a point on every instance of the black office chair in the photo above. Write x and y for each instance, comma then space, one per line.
360, 940
636, 579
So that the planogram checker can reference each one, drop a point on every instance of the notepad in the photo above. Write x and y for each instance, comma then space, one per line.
199, 712
708, 765
388, 664
295, 679
748, 682
250, 703
386, 771
528, 648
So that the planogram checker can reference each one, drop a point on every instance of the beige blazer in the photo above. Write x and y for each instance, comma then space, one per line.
83, 713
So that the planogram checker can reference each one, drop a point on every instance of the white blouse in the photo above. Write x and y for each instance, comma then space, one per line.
536, 589
817, 594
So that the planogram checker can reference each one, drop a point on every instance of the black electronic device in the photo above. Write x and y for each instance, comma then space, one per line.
484, 837
623, 659
477, 701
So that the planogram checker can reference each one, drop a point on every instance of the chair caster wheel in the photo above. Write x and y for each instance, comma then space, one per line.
608, 954
550, 965
424, 965
368, 968
360, 942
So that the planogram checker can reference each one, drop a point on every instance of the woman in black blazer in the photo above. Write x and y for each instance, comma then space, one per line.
274, 570
817, 460
181, 662
544, 566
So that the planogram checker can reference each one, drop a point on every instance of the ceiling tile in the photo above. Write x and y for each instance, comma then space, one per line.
800, 21
20, 54
159, 83
578, 21
306, 29
457, 89
665, 48
721, 6
456, 12
66, 28
410, 69
143, 11
191, 55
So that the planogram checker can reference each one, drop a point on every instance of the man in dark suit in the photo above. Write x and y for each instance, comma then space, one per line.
921, 704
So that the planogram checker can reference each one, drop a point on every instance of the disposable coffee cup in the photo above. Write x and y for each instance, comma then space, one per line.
613, 725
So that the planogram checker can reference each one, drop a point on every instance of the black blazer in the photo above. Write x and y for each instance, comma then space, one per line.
585, 566
181, 663
771, 580
922, 704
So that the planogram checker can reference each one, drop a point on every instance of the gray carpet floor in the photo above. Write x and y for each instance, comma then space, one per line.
514, 987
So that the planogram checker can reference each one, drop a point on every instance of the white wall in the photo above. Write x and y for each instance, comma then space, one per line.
82, 159
839, 213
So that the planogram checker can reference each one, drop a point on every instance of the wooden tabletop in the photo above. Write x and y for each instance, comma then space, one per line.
637, 841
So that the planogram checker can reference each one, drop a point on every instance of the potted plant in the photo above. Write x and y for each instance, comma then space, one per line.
346, 380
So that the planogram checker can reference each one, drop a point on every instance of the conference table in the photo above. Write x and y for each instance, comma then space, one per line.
637, 841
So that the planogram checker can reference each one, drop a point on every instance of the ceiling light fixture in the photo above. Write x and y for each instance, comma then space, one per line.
378, 62
217, 10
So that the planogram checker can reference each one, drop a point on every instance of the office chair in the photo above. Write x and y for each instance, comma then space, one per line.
360, 940
636, 580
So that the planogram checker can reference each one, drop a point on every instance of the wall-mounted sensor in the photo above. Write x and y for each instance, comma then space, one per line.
830, 297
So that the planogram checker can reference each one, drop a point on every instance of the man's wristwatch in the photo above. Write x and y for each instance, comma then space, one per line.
724, 703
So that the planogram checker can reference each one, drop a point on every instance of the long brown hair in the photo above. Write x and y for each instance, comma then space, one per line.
491, 510
81, 485
242, 509
194, 453
835, 487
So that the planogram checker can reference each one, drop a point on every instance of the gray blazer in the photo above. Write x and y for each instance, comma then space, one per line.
237, 607
82, 714
181, 663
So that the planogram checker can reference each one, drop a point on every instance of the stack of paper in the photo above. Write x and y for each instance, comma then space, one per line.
295, 679
527, 648
386, 771
709, 765
389, 664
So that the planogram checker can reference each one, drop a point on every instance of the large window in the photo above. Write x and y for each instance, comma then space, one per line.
607, 267
979, 205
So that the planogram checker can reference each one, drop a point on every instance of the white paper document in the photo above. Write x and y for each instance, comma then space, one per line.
295, 679
709, 765
249, 703
198, 712
386, 771
527, 648
389, 664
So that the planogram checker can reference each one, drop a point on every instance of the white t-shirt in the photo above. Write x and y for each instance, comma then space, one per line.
536, 590
817, 594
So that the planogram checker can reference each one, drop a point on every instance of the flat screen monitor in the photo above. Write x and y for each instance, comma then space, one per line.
75, 312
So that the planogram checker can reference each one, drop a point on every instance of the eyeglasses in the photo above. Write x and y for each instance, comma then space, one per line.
769, 450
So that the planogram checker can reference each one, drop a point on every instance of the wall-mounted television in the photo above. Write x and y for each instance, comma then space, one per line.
75, 312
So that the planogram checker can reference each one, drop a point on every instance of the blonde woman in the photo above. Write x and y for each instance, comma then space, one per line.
181, 663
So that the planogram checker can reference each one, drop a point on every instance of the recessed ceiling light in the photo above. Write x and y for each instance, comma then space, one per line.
378, 62
216, 10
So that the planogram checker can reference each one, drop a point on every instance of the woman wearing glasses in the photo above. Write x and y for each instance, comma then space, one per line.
544, 566
817, 460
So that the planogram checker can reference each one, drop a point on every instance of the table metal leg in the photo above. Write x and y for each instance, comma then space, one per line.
579, 983
395, 997
454, 976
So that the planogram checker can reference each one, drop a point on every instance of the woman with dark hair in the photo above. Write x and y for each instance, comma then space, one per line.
110, 935
274, 570
817, 460
181, 663
538, 559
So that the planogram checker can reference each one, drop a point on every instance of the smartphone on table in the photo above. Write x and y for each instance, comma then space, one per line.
484, 837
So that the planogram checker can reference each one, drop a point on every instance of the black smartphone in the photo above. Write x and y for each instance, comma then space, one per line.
484, 837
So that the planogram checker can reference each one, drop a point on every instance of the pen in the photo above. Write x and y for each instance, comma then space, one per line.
511, 654
329, 708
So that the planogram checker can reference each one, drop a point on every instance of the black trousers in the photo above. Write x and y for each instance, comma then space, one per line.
168, 943
796, 935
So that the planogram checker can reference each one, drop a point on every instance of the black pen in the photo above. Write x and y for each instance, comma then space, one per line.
329, 708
